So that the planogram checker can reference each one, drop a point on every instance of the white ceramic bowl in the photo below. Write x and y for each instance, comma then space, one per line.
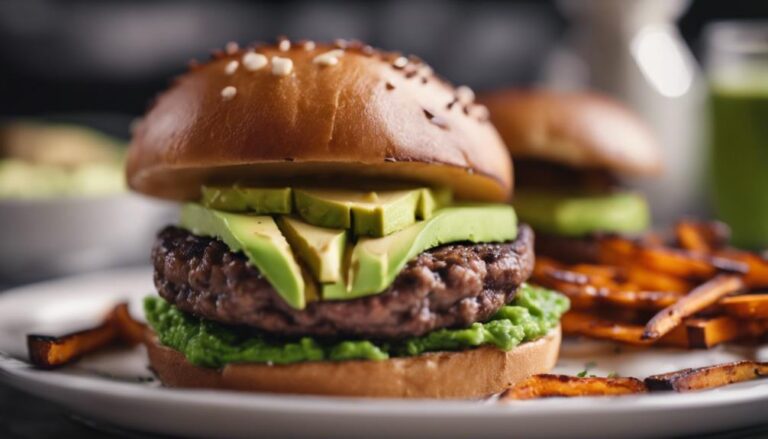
53, 237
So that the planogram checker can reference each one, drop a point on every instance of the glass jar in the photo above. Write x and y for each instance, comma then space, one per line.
737, 72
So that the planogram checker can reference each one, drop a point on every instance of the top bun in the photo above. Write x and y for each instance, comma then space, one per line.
577, 129
342, 113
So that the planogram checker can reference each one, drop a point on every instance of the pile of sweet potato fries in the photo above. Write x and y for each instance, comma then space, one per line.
691, 291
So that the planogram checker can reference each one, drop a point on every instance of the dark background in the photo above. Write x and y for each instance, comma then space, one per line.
101, 62
109, 56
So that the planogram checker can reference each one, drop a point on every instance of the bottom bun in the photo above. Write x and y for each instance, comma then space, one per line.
463, 374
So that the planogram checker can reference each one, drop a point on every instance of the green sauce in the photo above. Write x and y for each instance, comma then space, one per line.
533, 313
739, 160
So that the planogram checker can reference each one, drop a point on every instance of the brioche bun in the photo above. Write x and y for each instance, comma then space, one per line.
370, 116
576, 129
462, 374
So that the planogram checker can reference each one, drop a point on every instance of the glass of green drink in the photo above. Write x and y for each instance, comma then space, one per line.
737, 70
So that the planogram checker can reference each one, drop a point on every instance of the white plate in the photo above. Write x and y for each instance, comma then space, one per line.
112, 387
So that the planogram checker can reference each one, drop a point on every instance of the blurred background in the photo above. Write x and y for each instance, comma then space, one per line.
95, 65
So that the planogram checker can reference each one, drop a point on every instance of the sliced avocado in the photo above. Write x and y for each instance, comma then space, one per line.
335, 291
311, 287
256, 200
572, 214
375, 213
431, 200
315, 209
261, 241
321, 248
375, 262
387, 212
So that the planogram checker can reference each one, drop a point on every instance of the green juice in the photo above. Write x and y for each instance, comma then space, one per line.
739, 160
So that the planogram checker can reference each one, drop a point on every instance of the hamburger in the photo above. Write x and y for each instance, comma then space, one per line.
344, 230
573, 152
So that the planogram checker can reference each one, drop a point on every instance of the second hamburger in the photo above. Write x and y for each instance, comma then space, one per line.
572, 151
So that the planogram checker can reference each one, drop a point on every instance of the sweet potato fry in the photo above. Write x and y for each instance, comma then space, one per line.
685, 380
621, 251
654, 281
612, 276
544, 266
564, 276
630, 316
587, 297
647, 300
709, 377
704, 333
131, 331
589, 325
694, 333
677, 338
702, 236
757, 266
604, 271
593, 326
547, 386
675, 262
49, 352
701, 297
748, 306
690, 238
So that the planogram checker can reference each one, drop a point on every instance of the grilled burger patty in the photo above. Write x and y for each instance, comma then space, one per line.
450, 286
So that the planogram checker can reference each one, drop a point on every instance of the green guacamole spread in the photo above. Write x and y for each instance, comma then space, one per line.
531, 315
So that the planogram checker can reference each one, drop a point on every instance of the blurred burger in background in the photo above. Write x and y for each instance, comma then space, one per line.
46, 160
572, 151
64, 207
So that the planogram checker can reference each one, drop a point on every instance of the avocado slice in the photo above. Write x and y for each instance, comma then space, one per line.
321, 248
375, 262
311, 287
261, 241
387, 212
374, 213
255, 200
573, 214
431, 200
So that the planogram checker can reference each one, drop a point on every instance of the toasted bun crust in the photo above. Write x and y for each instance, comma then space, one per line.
463, 374
582, 130
372, 116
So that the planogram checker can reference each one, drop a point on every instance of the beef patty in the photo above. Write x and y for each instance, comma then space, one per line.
450, 286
